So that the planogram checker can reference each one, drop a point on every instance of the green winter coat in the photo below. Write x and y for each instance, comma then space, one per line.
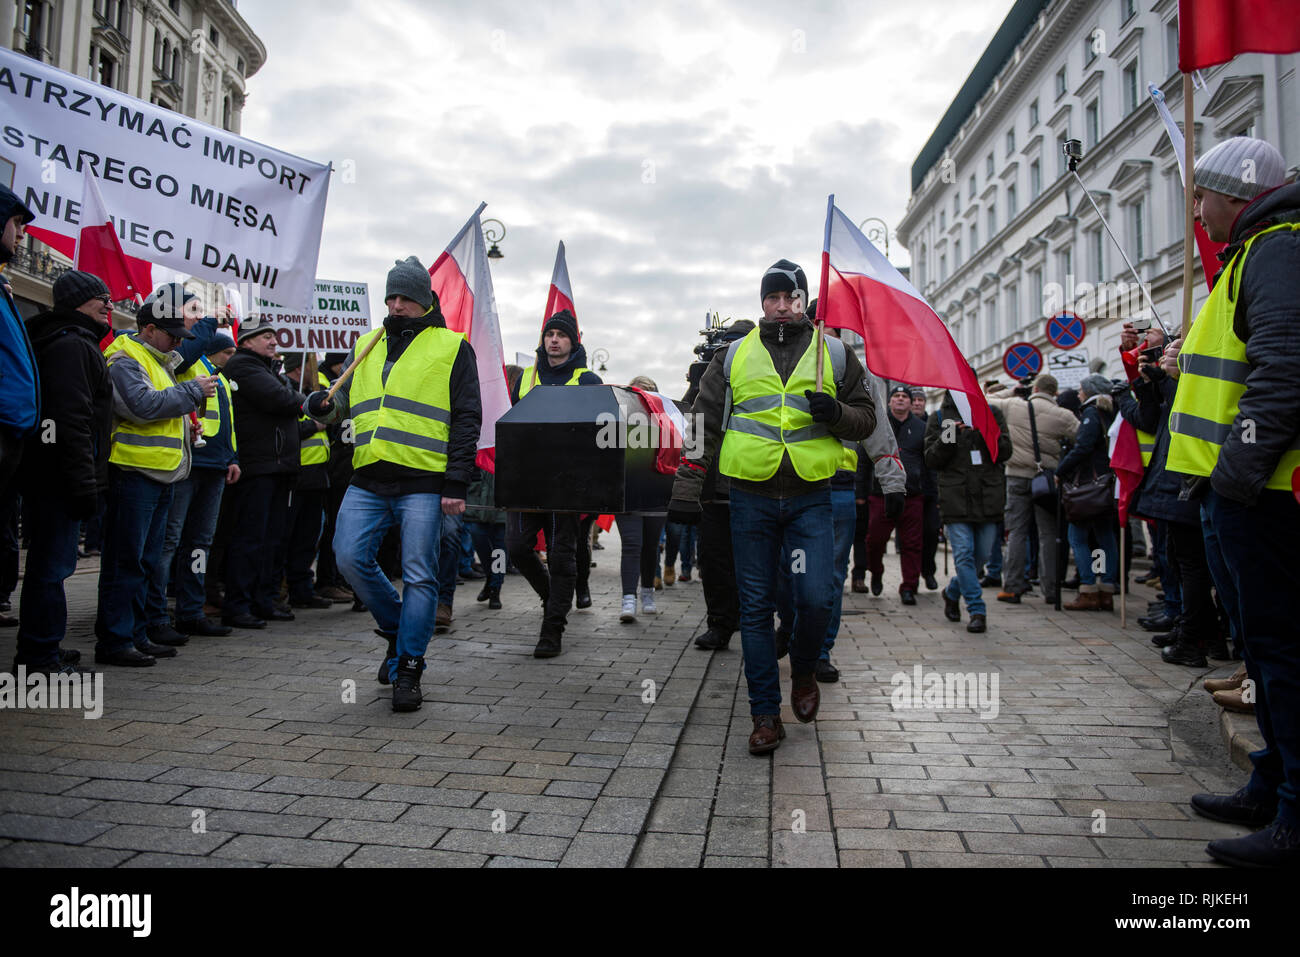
480, 500
967, 492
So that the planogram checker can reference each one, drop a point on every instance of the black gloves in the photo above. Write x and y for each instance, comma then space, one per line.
318, 404
894, 502
824, 408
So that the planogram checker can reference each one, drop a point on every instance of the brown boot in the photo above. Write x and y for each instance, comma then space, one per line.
1087, 600
805, 696
443, 620
670, 575
1231, 701
1226, 684
767, 735
1105, 599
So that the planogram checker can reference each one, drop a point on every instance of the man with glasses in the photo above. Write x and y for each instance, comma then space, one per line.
149, 454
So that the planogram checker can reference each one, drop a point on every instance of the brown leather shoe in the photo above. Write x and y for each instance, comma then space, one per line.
768, 732
1231, 701
805, 697
1087, 601
1105, 601
443, 621
1226, 684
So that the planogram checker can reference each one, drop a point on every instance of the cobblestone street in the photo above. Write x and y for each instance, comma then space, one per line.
629, 749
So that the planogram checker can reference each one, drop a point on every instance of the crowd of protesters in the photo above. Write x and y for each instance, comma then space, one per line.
251, 486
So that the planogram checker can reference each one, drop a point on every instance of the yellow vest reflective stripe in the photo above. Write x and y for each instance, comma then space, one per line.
850, 460
215, 409
1146, 445
771, 419
389, 422
1212, 379
157, 445
530, 379
315, 450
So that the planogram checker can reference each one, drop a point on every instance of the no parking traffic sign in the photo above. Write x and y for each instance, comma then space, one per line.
1066, 330
1022, 359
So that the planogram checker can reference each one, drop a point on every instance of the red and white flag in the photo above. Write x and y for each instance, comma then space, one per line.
1215, 31
1125, 462
463, 284
96, 249
905, 340
560, 295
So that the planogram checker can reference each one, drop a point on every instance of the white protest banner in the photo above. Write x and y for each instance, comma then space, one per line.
1068, 368
339, 316
181, 193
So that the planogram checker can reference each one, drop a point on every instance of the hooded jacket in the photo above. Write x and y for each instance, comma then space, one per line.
77, 397
557, 375
389, 478
786, 342
1266, 321
968, 492
1090, 454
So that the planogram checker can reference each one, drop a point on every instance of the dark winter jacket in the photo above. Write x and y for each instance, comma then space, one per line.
1157, 497
480, 501
267, 408
20, 389
389, 478
1090, 455
968, 492
77, 398
557, 375
786, 343
910, 434
316, 477
219, 450
1267, 319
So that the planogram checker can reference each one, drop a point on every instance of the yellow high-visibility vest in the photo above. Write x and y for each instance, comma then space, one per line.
388, 420
315, 449
1146, 445
1212, 370
158, 445
216, 409
770, 419
530, 379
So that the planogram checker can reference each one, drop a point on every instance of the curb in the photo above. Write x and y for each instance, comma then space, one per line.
1241, 734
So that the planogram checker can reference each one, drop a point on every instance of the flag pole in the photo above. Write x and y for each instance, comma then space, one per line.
823, 302
1189, 225
1123, 575
347, 373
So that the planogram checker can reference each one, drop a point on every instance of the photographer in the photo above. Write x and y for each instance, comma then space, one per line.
1196, 630
1039, 430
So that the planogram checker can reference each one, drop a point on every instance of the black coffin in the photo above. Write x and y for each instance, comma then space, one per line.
548, 457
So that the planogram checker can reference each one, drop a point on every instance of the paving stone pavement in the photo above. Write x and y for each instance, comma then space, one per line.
278, 748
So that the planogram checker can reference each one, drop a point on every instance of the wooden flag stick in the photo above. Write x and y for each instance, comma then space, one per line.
821, 342
1123, 574
1189, 224
347, 373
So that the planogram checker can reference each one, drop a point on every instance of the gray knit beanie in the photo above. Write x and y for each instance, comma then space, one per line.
1096, 384
1242, 167
410, 279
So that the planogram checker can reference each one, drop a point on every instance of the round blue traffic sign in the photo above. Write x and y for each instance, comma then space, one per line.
1066, 330
1022, 359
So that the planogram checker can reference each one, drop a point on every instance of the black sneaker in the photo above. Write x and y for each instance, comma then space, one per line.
826, 672
583, 598
931, 583
485, 594
978, 625
715, 639
406, 689
128, 657
1184, 653
951, 608
877, 586
494, 599
548, 645
1278, 845
1235, 808
908, 596
990, 581
389, 655
165, 635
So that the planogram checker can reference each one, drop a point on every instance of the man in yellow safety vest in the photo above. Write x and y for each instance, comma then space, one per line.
779, 442
1235, 428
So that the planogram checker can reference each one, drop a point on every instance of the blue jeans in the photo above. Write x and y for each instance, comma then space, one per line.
680, 539
449, 560
993, 561
51, 560
191, 523
1259, 547
760, 529
967, 540
135, 524
1104, 532
1223, 585
844, 519
364, 518
489, 542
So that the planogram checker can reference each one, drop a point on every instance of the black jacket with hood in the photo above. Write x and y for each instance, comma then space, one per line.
558, 375
266, 408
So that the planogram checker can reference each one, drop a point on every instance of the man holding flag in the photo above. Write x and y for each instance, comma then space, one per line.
775, 424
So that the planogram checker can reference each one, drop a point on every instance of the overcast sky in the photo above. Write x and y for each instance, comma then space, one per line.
677, 149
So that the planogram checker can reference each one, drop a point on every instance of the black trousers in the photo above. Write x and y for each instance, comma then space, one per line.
1186, 546
327, 569
718, 568
640, 557
554, 583
860, 542
583, 557
258, 514
306, 510
929, 537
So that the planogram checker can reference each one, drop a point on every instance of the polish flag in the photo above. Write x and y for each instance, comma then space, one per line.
1125, 462
461, 280
97, 250
905, 340
560, 295
670, 424
1214, 31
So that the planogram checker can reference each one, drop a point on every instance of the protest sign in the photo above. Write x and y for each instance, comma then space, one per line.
340, 315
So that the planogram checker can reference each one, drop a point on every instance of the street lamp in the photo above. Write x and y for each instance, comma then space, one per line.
494, 235
600, 357
876, 233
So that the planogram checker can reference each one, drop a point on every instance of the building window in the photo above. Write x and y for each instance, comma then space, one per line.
956, 204
1062, 164
175, 5
214, 38
920, 268
1011, 142
1248, 129
988, 166
1129, 82
1127, 8
1013, 309
943, 220
943, 267
1036, 284
1171, 47
1096, 255
970, 192
993, 219
239, 65
1092, 123
974, 239
1137, 230
1090, 44
991, 322
956, 254
1061, 85
1035, 180
1033, 114
1065, 266
1011, 202
226, 116
104, 67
